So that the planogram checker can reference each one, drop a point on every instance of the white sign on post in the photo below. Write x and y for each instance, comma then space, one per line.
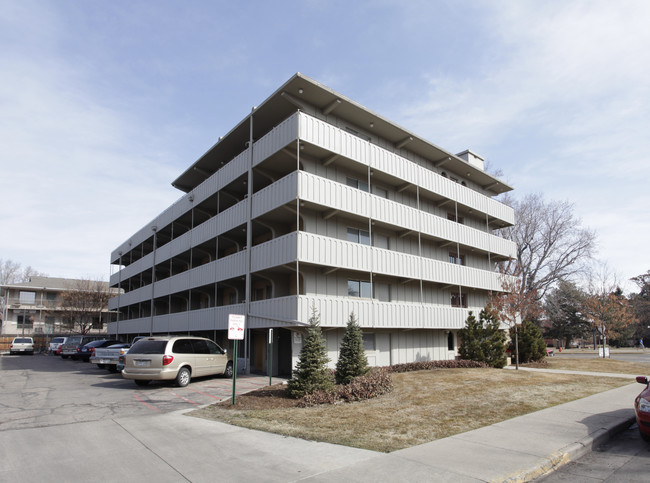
236, 325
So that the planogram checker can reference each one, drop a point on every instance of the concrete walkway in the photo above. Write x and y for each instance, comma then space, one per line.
176, 447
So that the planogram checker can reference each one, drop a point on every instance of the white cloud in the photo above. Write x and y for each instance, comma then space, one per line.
75, 177
560, 101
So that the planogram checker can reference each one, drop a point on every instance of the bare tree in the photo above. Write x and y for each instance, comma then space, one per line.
609, 311
84, 304
514, 305
12, 272
551, 243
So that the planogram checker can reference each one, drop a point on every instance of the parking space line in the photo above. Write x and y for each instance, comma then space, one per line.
142, 401
184, 398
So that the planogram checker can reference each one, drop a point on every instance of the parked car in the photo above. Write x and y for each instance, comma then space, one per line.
108, 357
22, 345
74, 342
86, 351
56, 343
120, 360
642, 408
175, 358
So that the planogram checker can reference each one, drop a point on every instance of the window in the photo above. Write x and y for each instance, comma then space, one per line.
453, 217
183, 346
358, 184
97, 323
458, 300
369, 342
456, 259
214, 348
358, 236
200, 347
25, 322
359, 288
27, 298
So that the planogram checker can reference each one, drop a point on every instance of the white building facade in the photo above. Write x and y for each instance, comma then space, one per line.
315, 202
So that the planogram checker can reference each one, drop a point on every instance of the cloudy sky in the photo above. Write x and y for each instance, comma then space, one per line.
104, 104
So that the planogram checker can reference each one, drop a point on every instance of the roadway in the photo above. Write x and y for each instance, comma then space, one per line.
624, 458
45, 390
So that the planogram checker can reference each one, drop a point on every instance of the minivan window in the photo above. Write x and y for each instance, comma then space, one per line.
183, 346
200, 347
57, 340
73, 340
148, 347
214, 348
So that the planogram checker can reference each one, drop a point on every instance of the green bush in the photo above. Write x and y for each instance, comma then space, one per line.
482, 340
352, 356
311, 372
532, 347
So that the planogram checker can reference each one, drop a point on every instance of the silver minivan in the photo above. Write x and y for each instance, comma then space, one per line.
175, 358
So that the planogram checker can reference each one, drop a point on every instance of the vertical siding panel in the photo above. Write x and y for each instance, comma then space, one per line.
359, 150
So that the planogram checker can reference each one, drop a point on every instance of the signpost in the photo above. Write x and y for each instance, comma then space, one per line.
236, 324
270, 362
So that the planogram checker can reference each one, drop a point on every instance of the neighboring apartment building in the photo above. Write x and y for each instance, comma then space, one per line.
315, 201
36, 308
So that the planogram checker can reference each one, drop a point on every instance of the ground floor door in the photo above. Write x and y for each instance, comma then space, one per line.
280, 352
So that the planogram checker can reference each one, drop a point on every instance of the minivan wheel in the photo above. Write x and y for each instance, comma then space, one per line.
228, 372
183, 377
141, 382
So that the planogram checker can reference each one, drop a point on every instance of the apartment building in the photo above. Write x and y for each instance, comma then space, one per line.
313, 202
36, 307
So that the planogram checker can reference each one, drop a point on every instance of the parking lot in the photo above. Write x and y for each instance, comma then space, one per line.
45, 390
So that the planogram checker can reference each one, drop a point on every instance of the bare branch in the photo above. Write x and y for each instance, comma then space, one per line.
551, 243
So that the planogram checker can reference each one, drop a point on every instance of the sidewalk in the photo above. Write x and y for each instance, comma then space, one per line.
176, 447
519, 449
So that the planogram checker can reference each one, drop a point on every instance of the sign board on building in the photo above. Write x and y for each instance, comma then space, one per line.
236, 324
297, 338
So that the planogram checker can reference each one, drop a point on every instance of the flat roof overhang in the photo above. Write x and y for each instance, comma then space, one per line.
304, 93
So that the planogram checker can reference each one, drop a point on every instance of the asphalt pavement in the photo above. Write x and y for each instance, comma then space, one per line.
175, 446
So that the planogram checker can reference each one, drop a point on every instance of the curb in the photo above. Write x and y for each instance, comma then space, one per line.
570, 452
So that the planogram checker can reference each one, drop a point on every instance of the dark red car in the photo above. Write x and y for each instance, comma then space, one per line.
642, 408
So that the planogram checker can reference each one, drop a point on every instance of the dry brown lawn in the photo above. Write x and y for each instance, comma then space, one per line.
424, 406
